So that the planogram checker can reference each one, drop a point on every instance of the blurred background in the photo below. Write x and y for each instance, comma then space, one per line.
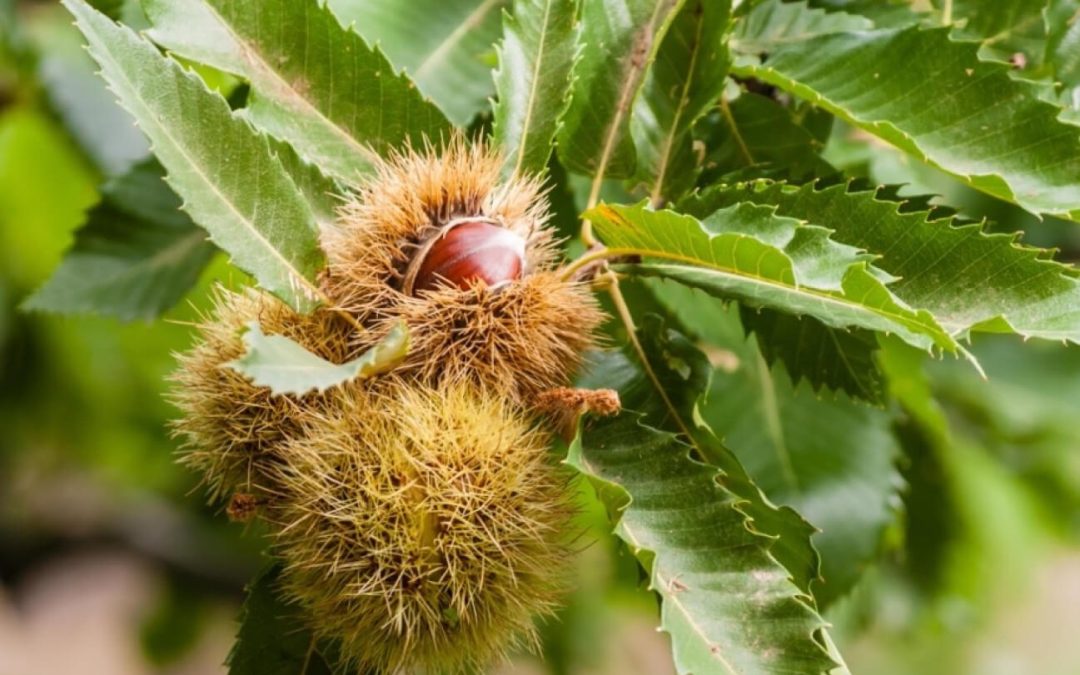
111, 564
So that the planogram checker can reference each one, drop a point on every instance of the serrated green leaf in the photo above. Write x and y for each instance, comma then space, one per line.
727, 604
760, 135
322, 89
684, 81
536, 58
1005, 27
619, 39
742, 267
829, 359
135, 257
932, 97
772, 23
669, 395
971, 281
445, 45
272, 639
832, 459
1062, 49
825, 357
231, 183
286, 367
322, 193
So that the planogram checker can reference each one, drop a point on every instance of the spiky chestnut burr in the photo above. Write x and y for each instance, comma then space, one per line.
424, 528
381, 494
519, 336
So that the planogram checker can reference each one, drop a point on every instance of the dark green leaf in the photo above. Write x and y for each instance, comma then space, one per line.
760, 134
135, 257
727, 604
536, 58
829, 458
684, 81
932, 97
619, 38
231, 183
827, 358
447, 46
322, 89
272, 638
670, 402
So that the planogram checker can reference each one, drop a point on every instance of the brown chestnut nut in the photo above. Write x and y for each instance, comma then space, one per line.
466, 251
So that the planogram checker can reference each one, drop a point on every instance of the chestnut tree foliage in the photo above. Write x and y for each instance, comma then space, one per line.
772, 314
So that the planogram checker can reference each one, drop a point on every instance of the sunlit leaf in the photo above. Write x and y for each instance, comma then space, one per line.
840, 292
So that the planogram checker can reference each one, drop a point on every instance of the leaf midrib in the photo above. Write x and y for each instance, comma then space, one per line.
294, 274
626, 94
471, 21
684, 100
533, 87
635, 541
254, 57
696, 264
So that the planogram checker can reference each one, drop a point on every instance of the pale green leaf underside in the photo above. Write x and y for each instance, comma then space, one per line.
619, 39
968, 279
286, 367
740, 266
533, 81
446, 46
135, 257
231, 183
314, 84
932, 97
727, 604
